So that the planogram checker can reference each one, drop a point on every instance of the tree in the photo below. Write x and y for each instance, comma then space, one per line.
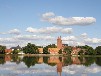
15, 51
81, 52
67, 50
87, 50
98, 50
2, 49
30, 49
60, 51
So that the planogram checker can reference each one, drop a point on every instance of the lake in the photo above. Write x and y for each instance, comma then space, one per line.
14, 65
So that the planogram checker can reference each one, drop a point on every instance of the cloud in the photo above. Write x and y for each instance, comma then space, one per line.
34, 37
60, 20
49, 30
8, 40
84, 35
22, 40
49, 14
69, 38
92, 41
14, 31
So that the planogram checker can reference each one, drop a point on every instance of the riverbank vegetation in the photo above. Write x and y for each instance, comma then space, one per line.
33, 49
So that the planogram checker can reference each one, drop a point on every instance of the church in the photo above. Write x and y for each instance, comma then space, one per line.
59, 46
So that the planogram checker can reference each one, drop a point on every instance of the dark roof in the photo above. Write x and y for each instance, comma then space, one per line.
65, 44
18, 47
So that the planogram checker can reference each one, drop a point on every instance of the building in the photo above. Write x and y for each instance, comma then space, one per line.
17, 48
75, 51
8, 51
40, 50
59, 43
53, 50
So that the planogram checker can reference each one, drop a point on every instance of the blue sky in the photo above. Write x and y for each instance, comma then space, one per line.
42, 21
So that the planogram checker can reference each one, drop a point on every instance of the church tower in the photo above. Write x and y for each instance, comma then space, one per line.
59, 43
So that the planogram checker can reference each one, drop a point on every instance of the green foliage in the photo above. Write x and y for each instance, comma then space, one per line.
45, 49
81, 52
2, 59
87, 50
15, 51
67, 50
2, 49
30, 49
60, 51
98, 50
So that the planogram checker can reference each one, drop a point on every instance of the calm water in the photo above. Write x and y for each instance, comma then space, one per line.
49, 66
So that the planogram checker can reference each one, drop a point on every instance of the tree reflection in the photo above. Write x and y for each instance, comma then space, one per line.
45, 59
30, 61
67, 60
51, 60
16, 58
89, 61
98, 61
2, 59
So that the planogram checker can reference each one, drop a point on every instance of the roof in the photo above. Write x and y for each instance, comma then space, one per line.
18, 47
65, 44
8, 50
53, 49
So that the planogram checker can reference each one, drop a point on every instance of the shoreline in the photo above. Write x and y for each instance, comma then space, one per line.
51, 55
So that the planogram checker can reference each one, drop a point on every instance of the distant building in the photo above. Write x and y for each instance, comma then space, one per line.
53, 50
8, 51
59, 43
75, 51
17, 48
59, 46
40, 50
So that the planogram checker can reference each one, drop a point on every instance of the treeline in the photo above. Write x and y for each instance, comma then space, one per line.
33, 49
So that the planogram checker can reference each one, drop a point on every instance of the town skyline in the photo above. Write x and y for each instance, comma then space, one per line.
41, 22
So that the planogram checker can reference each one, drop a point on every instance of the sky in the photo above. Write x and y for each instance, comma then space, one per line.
41, 21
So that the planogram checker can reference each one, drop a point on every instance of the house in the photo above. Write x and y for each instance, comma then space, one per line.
75, 51
53, 50
8, 51
40, 50
17, 48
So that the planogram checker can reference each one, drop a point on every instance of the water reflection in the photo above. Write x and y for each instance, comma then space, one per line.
48, 65
50, 60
